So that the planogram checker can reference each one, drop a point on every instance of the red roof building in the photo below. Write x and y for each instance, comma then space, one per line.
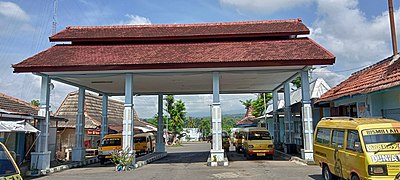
370, 92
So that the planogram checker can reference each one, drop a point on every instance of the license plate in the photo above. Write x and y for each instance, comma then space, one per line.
260, 154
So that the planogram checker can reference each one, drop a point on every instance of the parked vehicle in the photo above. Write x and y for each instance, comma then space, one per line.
144, 143
226, 142
8, 167
238, 138
257, 142
358, 148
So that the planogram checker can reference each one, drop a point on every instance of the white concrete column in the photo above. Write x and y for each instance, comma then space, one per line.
160, 145
79, 151
104, 117
288, 114
40, 160
275, 115
307, 119
216, 120
128, 121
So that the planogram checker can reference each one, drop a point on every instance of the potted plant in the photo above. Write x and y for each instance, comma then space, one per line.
122, 159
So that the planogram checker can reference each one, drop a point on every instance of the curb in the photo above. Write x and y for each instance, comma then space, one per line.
150, 160
295, 158
62, 167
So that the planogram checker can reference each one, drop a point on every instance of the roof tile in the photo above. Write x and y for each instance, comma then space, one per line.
382, 75
300, 51
182, 31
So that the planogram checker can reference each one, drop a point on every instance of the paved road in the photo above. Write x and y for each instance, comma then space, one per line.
189, 162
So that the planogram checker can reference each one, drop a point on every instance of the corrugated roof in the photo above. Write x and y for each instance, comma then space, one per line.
93, 110
14, 105
380, 76
301, 51
182, 31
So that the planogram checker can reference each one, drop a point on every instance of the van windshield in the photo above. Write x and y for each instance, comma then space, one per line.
111, 142
259, 135
385, 139
140, 139
6, 163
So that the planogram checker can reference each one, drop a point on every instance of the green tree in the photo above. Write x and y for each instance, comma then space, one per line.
35, 102
247, 103
297, 81
205, 127
176, 111
190, 123
227, 124
259, 106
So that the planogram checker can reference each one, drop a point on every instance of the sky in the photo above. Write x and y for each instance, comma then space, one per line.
356, 31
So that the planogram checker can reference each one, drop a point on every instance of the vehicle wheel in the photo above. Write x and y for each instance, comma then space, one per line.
270, 157
355, 177
102, 161
326, 174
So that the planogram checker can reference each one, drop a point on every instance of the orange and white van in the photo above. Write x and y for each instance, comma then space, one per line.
358, 148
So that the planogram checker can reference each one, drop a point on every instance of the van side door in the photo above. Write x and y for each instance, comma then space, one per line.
339, 152
355, 159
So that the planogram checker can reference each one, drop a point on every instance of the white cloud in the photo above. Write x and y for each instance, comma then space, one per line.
13, 11
13, 19
263, 6
136, 20
346, 31
332, 78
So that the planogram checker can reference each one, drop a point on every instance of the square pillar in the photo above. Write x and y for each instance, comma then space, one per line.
79, 151
104, 117
288, 120
40, 160
307, 120
160, 145
128, 121
275, 116
216, 120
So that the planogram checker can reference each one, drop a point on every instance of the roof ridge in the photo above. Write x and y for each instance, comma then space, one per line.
19, 101
189, 24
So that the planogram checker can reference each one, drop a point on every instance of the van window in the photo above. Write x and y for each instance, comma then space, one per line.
338, 138
259, 135
111, 142
352, 137
323, 136
6, 163
140, 139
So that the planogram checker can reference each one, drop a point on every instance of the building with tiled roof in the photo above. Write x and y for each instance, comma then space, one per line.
371, 92
14, 105
92, 111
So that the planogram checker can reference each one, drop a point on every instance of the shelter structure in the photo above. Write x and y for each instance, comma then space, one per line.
209, 58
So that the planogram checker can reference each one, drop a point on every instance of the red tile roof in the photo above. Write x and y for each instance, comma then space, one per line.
183, 31
15, 105
299, 51
380, 76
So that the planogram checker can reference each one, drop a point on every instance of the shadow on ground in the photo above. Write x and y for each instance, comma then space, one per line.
184, 157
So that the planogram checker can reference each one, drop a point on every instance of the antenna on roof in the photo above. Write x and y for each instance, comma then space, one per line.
54, 24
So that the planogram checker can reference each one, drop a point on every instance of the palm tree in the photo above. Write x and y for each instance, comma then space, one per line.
176, 111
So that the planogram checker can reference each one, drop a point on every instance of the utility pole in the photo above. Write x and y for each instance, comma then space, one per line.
54, 24
392, 27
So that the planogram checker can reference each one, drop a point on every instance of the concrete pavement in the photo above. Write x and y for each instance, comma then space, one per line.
189, 162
